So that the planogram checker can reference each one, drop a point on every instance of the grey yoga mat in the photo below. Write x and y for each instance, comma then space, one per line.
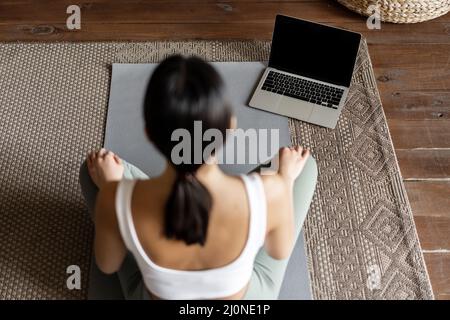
125, 136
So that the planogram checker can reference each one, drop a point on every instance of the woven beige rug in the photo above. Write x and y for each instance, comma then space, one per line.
360, 235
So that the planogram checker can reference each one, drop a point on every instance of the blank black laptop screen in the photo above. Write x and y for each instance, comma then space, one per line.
313, 50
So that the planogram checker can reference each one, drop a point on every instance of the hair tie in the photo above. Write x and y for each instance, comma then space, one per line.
188, 176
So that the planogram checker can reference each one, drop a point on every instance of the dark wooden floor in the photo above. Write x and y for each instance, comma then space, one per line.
411, 62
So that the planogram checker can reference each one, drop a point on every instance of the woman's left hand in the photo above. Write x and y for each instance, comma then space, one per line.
104, 166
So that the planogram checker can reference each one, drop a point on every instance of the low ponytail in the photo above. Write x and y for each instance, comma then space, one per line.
181, 92
187, 210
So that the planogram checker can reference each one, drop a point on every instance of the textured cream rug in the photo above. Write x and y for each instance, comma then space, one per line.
360, 235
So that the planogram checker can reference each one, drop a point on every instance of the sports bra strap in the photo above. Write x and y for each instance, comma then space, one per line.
258, 208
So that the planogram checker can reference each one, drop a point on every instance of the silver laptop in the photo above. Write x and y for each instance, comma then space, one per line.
309, 72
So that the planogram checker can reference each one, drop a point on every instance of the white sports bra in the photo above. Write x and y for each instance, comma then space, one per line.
214, 283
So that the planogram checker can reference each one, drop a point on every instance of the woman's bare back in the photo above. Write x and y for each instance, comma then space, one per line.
227, 228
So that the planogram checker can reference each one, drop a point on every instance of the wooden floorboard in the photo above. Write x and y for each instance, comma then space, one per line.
420, 134
114, 19
179, 12
430, 198
406, 67
439, 271
434, 233
416, 105
436, 32
427, 164
411, 64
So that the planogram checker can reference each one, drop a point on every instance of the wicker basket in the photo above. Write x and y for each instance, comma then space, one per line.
401, 11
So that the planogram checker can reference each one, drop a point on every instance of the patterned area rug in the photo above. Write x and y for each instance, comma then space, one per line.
360, 235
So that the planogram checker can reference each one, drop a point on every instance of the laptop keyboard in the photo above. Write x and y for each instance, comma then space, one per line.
302, 89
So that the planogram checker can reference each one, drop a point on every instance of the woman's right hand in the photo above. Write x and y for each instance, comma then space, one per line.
104, 166
292, 161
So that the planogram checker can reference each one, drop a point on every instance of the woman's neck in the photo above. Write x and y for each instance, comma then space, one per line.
207, 172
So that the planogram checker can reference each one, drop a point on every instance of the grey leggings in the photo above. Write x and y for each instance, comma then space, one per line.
268, 273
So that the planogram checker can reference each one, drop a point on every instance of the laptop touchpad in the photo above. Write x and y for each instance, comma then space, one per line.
295, 108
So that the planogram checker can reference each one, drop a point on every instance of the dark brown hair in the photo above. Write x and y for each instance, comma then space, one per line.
181, 91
